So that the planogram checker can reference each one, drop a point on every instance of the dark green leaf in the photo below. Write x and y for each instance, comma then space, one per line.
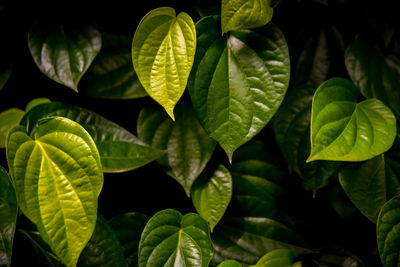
8, 119
5, 73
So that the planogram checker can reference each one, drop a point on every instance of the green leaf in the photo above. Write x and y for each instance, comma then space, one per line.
211, 195
119, 149
344, 130
245, 14
5, 73
111, 74
369, 70
388, 233
64, 53
58, 178
129, 227
230, 263
8, 119
163, 51
237, 81
36, 102
188, 146
103, 249
369, 185
8, 217
170, 239
276, 258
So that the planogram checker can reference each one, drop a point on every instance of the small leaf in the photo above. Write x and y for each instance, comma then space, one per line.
211, 195
344, 130
163, 51
8, 119
245, 14
5, 73
8, 217
36, 102
64, 53
58, 178
170, 239
276, 258
230, 263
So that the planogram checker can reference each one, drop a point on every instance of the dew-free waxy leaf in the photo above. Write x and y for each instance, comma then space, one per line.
8, 119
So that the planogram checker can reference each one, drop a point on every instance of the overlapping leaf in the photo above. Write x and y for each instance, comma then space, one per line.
8, 119
277, 257
230, 263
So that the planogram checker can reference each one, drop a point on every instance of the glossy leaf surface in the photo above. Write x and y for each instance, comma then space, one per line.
8, 119
276, 258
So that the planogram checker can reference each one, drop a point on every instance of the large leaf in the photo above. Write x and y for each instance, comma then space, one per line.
370, 71
5, 73
212, 194
245, 14
119, 149
369, 185
103, 249
8, 217
58, 178
238, 81
344, 130
112, 75
64, 53
188, 146
163, 51
8, 119
129, 227
170, 239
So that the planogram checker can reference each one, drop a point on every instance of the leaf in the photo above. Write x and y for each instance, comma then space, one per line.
5, 73
170, 239
369, 185
129, 227
245, 14
111, 74
188, 146
388, 233
344, 130
64, 53
8, 217
230, 263
211, 195
370, 71
103, 249
8, 119
119, 149
36, 102
237, 81
58, 178
163, 51
276, 258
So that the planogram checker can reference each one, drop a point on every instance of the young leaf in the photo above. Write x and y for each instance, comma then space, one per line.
112, 75
5, 73
211, 195
245, 14
188, 146
64, 53
8, 217
276, 258
8, 119
163, 51
344, 130
58, 178
237, 81
36, 102
170, 239
230, 263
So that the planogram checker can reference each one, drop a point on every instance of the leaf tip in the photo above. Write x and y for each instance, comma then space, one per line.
170, 112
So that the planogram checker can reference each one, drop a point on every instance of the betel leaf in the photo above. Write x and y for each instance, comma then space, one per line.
63, 52
103, 248
111, 74
212, 194
129, 227
36, 102
388, 236
237, 81
170, 239
245, 14
5, 72
163, 51
369, 70
344, 130
230, 263
119, 149
58, 178
8, 119
369, 185
8, 217
188, 146
276, 258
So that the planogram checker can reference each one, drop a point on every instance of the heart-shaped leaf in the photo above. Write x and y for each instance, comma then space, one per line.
8, 217
230, 263
112, 75
276, 258
245, 14
163, 51
64, 53
237, 81
8, 119
119, 149
188, 146
344, 130
170, 239
58, 178
212, 194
